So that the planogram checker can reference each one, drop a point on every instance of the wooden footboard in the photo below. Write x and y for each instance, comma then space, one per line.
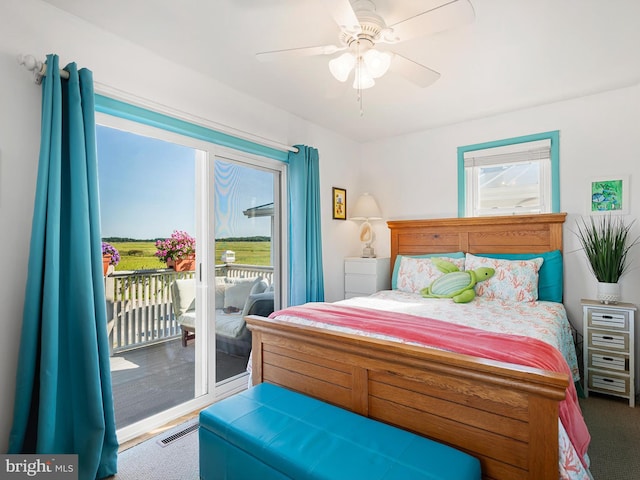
504, 414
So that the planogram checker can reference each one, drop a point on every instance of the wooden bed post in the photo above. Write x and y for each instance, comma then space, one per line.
545, 463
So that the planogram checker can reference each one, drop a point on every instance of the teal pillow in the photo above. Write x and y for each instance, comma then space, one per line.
550, 274
396, 266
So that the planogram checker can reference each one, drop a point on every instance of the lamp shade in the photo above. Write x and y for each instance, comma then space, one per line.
372, 64
341, 66
362, 78
377, 62
366, 208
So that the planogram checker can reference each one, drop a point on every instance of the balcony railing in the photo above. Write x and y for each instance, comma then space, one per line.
139, 304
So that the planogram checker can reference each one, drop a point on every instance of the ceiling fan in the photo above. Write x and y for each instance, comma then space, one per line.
362, 30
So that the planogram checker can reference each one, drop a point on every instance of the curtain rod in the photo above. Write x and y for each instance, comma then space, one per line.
39, 70
38, 67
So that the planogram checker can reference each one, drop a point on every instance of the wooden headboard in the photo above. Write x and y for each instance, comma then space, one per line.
506, 234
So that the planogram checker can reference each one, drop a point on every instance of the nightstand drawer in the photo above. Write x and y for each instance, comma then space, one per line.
365, 276
348, 295
608, 340
366, 267
608, 361
607, 319
611, 383
360, 284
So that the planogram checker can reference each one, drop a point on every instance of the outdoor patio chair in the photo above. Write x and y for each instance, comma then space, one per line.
232, 335
183, 293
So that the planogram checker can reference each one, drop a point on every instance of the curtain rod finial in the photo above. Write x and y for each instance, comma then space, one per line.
31, 63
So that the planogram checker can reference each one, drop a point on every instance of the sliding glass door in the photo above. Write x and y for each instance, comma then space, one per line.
247, 222
177, 335
149, 217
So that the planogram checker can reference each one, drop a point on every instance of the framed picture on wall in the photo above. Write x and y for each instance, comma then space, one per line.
609, 194
339, 203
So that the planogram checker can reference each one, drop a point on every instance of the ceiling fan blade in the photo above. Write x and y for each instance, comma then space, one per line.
413, 71
343, 14
443, 15
298, 52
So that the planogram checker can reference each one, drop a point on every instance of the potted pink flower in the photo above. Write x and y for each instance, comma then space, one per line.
178, 251
110, 256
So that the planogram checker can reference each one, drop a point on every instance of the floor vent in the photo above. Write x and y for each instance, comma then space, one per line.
178, 435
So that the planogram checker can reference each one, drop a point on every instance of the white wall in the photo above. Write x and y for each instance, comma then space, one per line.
415, 176
18, 163
32, 27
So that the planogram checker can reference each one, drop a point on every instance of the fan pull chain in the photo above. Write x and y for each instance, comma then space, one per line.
359, 77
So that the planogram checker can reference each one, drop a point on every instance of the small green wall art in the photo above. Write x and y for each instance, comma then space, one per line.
609, 195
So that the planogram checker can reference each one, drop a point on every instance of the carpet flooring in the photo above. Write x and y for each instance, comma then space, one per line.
615, 437
614, 428
149, 460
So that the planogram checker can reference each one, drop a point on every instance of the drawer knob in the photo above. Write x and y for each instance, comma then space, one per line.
608, 359
607, 380
608, 317
607, 337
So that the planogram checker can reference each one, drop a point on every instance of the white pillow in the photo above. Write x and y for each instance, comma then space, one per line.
415, 274
259, 286
237, 293
514, 280
220, 289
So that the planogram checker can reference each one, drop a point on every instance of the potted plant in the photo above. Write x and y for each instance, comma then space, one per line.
606, 243
110, 256
178, 251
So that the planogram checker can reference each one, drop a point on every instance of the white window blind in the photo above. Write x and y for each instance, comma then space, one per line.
516, 153
509, 179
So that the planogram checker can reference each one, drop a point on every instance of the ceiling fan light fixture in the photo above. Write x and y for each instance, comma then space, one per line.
377, 62
340, 67
363, 78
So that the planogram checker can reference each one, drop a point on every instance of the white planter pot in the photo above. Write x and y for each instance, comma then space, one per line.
608, 292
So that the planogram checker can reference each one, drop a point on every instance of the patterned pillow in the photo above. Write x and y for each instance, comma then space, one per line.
415, 274
550, 276
396, 265
514, 280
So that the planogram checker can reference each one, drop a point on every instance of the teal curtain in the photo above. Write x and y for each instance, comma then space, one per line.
306, 282
63, 401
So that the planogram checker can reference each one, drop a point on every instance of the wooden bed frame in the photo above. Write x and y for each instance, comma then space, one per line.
504, 414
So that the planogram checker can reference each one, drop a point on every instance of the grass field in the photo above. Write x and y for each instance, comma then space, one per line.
141, 255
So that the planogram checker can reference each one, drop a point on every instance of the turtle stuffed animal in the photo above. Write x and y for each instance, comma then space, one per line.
455, 284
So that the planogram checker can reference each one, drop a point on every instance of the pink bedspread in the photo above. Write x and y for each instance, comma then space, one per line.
461, 339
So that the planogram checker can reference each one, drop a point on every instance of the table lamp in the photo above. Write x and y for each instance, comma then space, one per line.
366, 209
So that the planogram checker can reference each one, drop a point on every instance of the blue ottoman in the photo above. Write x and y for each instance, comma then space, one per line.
269, 432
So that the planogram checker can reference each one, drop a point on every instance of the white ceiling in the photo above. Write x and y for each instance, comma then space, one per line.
517, 53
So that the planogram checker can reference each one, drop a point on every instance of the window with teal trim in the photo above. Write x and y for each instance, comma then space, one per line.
507, 177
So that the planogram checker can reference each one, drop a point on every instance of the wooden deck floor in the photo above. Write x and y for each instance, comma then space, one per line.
152, 379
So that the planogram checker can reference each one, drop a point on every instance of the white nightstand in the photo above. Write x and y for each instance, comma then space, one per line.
364, 276
609, 349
